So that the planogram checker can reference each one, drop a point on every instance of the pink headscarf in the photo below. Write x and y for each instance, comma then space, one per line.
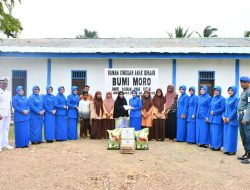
170, 96
109, 102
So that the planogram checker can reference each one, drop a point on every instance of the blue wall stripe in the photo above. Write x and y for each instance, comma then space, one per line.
49, 72
128, 55
237, 73
110, 63
174, 72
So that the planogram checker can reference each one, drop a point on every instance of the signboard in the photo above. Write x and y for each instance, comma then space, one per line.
126, 80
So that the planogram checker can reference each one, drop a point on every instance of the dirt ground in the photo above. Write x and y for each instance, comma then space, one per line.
86, 164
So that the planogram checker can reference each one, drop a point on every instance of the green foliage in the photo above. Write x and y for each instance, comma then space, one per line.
88, 34
180, 33
208, 32
9, 25
247, 34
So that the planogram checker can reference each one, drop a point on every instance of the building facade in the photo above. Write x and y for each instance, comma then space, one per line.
67, 62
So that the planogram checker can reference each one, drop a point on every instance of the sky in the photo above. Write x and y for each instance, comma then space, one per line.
130, 18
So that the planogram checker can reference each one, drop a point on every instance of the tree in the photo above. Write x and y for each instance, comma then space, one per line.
179, 33
247, 34
88, 34
208, 32
9, 25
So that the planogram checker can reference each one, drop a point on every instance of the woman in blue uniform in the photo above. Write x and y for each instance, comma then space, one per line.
73, 105
191, 123
36, 116
202, 123
21, 118
135, 112
49, 117
217, 108
230, 135
182, 115
61, 115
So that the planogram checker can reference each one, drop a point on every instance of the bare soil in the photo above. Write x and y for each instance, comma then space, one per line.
87, 164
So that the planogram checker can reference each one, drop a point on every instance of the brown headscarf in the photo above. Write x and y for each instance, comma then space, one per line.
147, 102
159, 101
98, 103
109, 102
170, 96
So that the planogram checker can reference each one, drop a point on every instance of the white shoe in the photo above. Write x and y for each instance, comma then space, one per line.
9, 147
1, 150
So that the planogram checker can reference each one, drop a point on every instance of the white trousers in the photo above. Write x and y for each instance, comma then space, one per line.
4, 131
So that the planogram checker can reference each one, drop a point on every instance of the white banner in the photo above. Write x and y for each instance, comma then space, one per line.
126, 80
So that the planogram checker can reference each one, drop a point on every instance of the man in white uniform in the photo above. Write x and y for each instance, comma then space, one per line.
5, 114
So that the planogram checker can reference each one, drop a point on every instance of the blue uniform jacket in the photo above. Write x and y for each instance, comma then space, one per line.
218, 107
136, 103
19, 104
60, 102
35, 104
183, 103
192, 106
49, 101
72, 103
231, 104
203, 105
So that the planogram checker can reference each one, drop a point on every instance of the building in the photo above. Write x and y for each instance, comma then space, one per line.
193, 61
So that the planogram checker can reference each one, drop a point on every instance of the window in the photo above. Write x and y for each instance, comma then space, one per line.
19, 78
207, 78
79, 80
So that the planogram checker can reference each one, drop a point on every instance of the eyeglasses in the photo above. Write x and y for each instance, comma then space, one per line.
191, 90
230, 89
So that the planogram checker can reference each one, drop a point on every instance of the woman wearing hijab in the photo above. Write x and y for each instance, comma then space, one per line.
21, 118
171, 99
119, 110
230, 134
202, 123
135, 112
159, 117
61, 115
97, 112
36, 116
73, 106
217, 108
147, 113
182, 115
191, 121
49, 116
108, 107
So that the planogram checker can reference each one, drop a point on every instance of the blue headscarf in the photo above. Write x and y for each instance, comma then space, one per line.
235, 90
48, 87
59, 88
33, 90
193, 88
73, 88
219, 89
184, 88
205, 89
18, 88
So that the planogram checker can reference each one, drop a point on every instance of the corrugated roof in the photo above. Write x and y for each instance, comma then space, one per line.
128, 45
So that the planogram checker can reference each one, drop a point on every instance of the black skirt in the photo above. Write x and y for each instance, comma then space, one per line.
97, 128
108, 124
171, 123
159, 129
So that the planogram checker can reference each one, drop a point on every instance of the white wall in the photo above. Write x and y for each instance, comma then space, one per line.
164, 66
36, 71
188, 72
61, 73
245, 68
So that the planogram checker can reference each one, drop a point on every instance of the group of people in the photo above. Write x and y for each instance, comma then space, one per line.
203, 120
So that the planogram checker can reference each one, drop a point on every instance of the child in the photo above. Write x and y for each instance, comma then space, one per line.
84, 113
